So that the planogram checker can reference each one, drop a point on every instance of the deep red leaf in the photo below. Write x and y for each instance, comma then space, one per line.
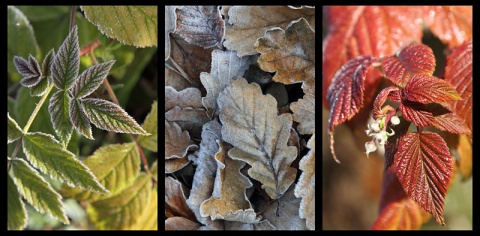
416, 113
446, 120
380, 100
366, 30
393, 142
427, 89
458, 72
424, 168
412, 59
452, 24
395, 96
345, 94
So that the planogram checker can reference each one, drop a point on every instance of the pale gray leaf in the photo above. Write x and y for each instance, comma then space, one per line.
79, 119
58, 109
67, 62
200, 25
91, 79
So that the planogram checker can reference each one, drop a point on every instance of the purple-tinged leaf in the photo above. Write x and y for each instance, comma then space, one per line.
79, 119
90, 79
110, 116
48, 62
67, 62
41, 87
58, 109
30, 70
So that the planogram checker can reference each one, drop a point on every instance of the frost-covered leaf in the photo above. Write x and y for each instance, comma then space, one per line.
151, 126
458, 72
189, 97
180, 223
200, 25
120, 211
424, 168
251, 125
110, 116
191, 119
30, 70
59, 115
229, 200
172, 165
226, 65
305, 187
177, 143
427, 89
175, 200
67, 62
13, 130
91, 79
48, 62
79, 119
412, 59
16, 213
133, 25
247, 23
451, 24
290, 53
41, 87
37, 191
47, 154
170, 25
345, 94
115, 166
304, 114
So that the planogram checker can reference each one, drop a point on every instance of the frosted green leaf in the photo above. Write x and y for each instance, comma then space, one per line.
121, 210
79, 119
40, 88
115, 166
131, 25
37, 191
48, 62
67, 62
58, 109
14, 131
29, 70
110, 116
150, 125
47, 154
16, 214
91, 79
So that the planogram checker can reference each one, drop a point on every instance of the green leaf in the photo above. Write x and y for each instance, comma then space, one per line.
20, 37
115, 166
121, 211
41, 87
148, 220
79, 119
48, 62
14, 131
59, 115
131, 25
109, 116
48, 155
16, 214
154, 170
91, 79
150, 125
37, 191
29, 70
41, 13
67, 62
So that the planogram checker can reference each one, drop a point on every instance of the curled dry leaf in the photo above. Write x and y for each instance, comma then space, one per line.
180, 223
229, 200
305, 188
304, 113
251, 125
191, 119
175, 201
291, 53
177, 143
247, 23
200, 25
189, 97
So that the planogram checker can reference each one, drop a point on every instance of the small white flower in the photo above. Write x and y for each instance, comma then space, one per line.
370, 147
395, 120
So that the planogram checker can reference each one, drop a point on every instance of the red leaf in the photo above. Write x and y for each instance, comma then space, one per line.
416, 113
366, 30
380, 100
452, 24
395, 96
446, 120
428, 89
393, 142
424, 168
412, 59
458, 72
345, 94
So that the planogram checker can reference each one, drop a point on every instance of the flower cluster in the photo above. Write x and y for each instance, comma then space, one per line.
378, 130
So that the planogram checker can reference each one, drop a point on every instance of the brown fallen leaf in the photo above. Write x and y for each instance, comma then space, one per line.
175, 201
177, 143
189, 97
191, 119
180, 223
170, 20
305, 188
304, 114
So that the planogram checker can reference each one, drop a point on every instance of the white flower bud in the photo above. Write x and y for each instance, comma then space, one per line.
395, 120
370, 147
375, 127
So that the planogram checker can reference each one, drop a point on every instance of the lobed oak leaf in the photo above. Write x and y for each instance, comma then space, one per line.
175, 200
251, 125
290, 53
412, 59
189, 97
428, 89
172, 165
170, 25
424, 168
180, 223
345, 94
304, 113
229, 200
451, 24
247, 23
200, 25
191, 119
305, 187
177, 143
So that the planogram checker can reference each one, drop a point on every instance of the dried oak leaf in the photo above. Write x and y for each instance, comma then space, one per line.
247, 23
251, 125
226, 65
189, 97
452, 24
229, 200
291, 53
177, 144
180, 223
304, 114
306, 185
170, 20
191, 119
200, 25
175, 201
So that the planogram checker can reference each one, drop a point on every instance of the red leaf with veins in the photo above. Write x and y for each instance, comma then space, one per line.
424, 168
366, 30
345, 94
452, 24
412, 59
393, 142
380, 100
416, 113
428, 89
459, 73
446, 120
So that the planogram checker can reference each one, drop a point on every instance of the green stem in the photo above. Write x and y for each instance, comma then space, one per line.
37, 108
